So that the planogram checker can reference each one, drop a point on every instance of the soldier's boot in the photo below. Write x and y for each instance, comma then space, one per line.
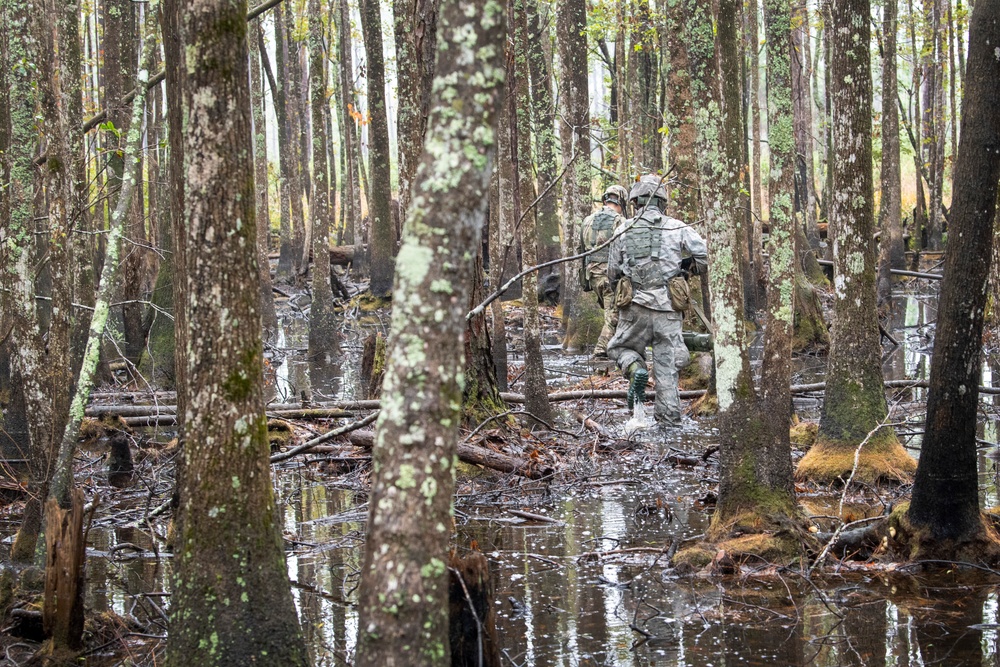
637, 384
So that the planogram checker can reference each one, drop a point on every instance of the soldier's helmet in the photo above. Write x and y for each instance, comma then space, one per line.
615, 194
648, 190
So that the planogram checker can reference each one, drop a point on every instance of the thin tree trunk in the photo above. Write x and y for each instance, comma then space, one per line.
295, 115
404, 610
685, 193
543, 118
776, 373
321, 320
268, 315
225, 610
382, 248
64, 590
756, 191
892, 251
415, 29
803, 122
519, 97
352, 189
571, 40
286, 160
497, 322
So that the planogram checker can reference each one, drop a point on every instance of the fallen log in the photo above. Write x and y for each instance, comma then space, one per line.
475, 455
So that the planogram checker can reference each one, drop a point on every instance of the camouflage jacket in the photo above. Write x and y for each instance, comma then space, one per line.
649, 253
596, 230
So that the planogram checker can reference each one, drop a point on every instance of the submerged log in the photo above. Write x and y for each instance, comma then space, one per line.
476, 456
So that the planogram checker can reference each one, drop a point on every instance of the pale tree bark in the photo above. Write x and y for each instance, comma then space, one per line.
351, 192
574, 97
382, 247
288, 182
321, 314
776, 372
232, 602
296, 116
18, 141
803, 121
57, 38
268, 315
753, 52
754, 481
855, 406
519, 98
63, 606
892, 252
415, 29
404, 578
945, 507
543, 124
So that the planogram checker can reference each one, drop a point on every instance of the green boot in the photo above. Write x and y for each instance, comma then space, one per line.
637, 386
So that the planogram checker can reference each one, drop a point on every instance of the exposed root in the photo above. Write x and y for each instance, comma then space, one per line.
982, 547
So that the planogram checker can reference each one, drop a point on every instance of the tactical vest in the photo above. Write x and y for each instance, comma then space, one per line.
642, 247
603, 221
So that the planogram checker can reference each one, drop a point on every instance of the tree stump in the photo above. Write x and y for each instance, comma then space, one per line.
472, 623
62, 615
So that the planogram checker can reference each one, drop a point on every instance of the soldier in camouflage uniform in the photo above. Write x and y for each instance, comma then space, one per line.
596, 230
653, 249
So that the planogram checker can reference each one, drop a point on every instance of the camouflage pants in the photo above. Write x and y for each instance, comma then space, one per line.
639, 327
606, 300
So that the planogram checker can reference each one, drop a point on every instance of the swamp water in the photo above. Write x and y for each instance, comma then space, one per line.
589, 586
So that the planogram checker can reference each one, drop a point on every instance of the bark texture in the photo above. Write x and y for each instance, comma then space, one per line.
571, 40
321, 320
232, 602
892, 251
945, 503
404, 580
382, 246
854, 410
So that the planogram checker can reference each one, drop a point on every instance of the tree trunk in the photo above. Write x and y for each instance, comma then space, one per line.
756, 189
497, 323
294, 115
382, 246
519, 98
287, 182
684, 195
776, 373
321, 315
945, 505
892, 250
352, 189
543, 118
225, 609
803, 122
268, 316
18, 184
571, 40
404, 579
415, 29
854, 409
933, 117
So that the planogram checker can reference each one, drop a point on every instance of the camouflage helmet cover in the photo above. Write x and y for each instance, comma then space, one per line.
615, 193
649, 185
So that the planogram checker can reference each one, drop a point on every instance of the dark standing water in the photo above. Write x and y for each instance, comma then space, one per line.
590, 588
